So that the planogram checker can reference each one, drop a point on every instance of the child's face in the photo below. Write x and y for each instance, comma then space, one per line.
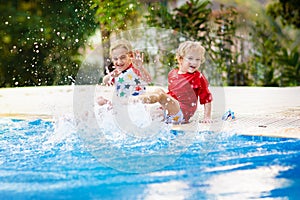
120, 58
190, 62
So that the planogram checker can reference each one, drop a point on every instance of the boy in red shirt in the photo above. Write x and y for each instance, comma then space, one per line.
186, 85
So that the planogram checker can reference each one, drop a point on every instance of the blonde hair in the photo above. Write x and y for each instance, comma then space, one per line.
190, 45
120, 43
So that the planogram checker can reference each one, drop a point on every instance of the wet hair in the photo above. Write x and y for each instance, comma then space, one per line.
190, 45
120, 43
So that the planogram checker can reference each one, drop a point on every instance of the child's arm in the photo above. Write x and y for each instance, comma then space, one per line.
205, 99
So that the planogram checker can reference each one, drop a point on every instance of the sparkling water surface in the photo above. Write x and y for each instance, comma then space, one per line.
49, 160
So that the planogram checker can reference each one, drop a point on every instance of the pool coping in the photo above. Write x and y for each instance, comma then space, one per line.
263, 111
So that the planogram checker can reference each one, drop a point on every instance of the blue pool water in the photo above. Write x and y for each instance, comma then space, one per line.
44, 160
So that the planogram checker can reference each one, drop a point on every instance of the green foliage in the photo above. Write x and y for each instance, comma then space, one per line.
259, 56
40, 40
115, 16
264, 58
287, 10
274, 59
222, 40
191, 19
289, 63
159, 16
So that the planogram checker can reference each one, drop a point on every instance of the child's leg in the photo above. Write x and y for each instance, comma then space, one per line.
168, 103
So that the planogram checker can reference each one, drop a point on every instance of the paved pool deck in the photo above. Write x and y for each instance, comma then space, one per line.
266, 111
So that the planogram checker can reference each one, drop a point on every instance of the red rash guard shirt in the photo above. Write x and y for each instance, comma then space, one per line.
187, 88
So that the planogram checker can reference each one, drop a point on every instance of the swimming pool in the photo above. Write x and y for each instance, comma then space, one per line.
45, 160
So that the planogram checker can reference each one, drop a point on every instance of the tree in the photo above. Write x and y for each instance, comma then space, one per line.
113, 17
287, 10
41, 40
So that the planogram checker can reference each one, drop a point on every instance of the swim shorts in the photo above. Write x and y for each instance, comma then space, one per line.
174, 119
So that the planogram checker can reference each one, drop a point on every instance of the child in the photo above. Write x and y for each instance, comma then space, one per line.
129, 75
186, 85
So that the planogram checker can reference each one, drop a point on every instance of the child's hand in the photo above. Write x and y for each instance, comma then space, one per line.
115, 73
108, 79
138, 59
102, 101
